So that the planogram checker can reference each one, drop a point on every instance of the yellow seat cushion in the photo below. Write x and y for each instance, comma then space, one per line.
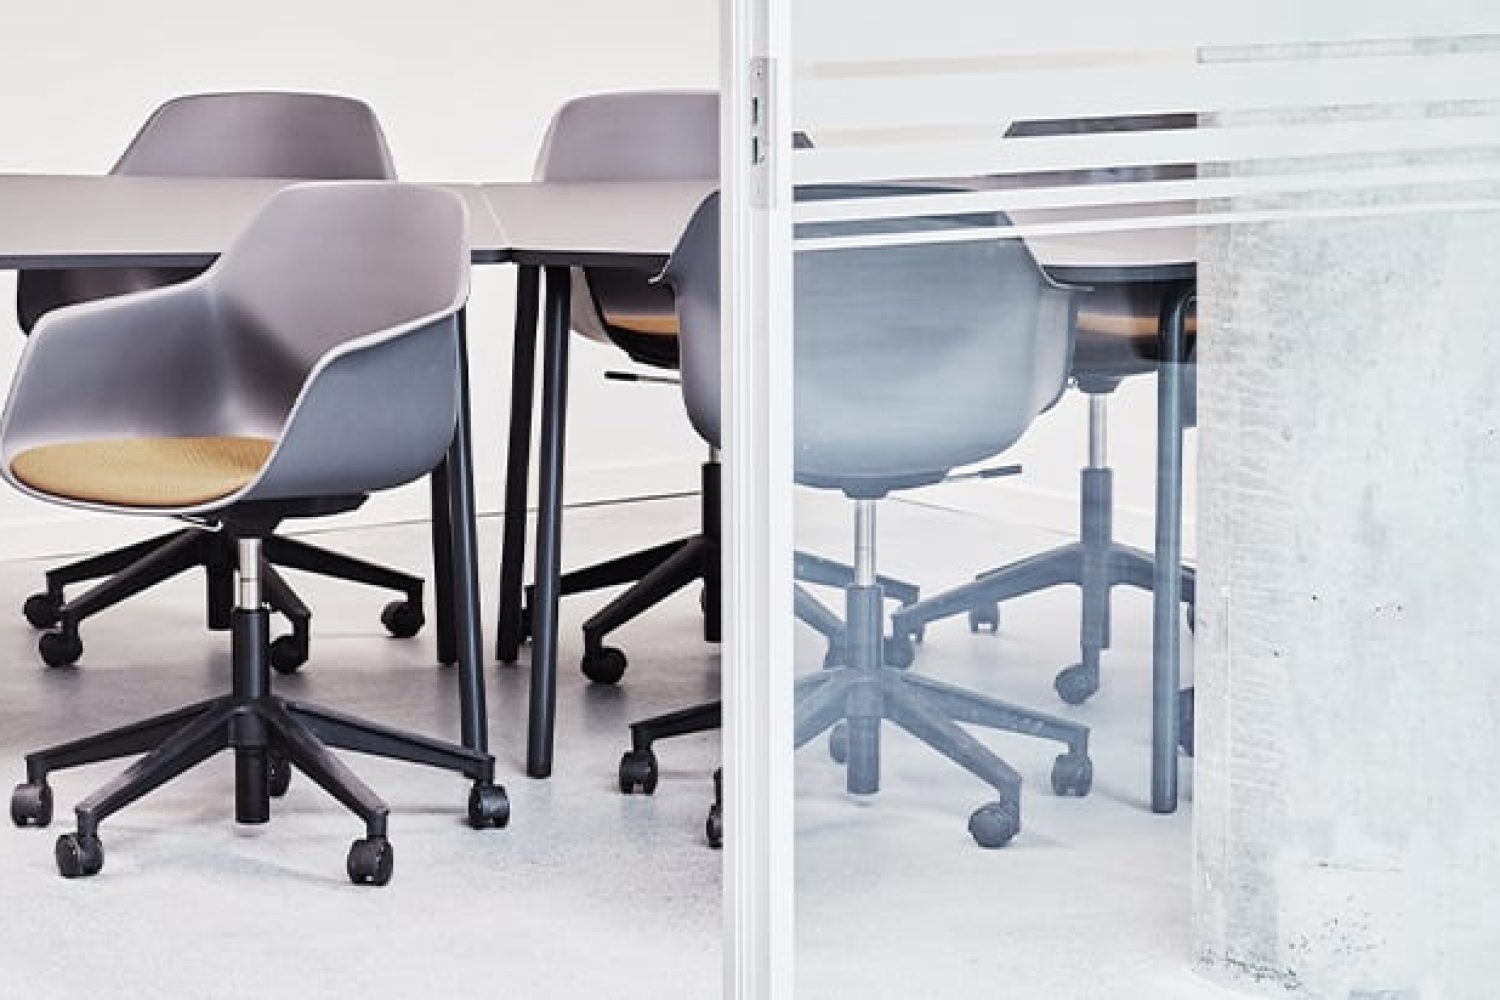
654, 325
1124, 324
144, 472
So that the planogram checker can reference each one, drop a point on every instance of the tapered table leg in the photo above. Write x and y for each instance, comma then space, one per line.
442, 566
549, 524
1166, 650
465, 562
517, 466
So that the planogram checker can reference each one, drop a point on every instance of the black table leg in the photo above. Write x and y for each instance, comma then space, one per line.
549, 524
517, 467
1166, 650
465, 555
442, 566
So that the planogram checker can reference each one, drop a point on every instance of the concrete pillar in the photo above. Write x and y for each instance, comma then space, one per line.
1347, 788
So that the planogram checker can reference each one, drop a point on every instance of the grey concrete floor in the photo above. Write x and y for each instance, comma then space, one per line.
590, 893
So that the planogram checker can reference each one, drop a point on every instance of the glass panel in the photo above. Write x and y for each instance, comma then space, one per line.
1010, 229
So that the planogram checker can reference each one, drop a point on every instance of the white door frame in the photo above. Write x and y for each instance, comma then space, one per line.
755, 177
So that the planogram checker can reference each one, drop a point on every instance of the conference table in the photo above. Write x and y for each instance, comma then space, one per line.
545, 229
554, 226
63, 221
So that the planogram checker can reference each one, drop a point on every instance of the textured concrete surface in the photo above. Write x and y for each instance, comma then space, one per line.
1345, 836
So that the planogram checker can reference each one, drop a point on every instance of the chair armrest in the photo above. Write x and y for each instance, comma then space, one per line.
377, 411
1058, 309
133, 364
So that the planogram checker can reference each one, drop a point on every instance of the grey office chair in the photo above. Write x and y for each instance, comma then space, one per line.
652, 135
909, 361
290, 135
314, 363
1116, 339
638, 135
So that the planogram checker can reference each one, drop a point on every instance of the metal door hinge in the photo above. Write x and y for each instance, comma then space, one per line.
760, 132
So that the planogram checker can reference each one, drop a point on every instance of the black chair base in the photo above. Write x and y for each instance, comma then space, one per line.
1096, 565
269, 737
135, 568
853, 700
638, 768
713, 828
655, 574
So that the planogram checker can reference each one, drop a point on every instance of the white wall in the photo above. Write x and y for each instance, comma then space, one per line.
1046, 494
464, 89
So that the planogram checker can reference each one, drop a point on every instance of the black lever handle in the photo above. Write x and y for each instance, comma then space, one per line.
995, 472
635, 377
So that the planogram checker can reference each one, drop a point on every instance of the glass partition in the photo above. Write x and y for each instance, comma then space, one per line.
1102, 425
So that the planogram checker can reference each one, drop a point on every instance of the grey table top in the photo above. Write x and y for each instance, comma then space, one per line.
83, 221
88, 221
1126, 235
1158, 251
55, 221
575, 221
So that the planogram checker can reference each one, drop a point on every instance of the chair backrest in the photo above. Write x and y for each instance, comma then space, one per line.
290, 135
909, 360
330, 326
320, 266
637, 135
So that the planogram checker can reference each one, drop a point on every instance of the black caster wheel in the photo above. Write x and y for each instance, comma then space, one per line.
278, 775
1072, 774
402, 619
489, 806
638, 770
714, 828
899, 652
985, 619
994, 824
605, 665
1076, 684
1185, 721
838, 743
287, 654
42, 610
78, 856
371, 861
31, 804
59, 649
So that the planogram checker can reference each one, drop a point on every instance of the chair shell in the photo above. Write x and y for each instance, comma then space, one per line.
329, 327
635, 135
242, 134
910, 360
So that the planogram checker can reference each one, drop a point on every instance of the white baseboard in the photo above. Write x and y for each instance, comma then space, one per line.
1019, 502
55, 532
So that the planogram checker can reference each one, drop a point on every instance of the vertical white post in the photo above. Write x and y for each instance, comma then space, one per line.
757, 379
